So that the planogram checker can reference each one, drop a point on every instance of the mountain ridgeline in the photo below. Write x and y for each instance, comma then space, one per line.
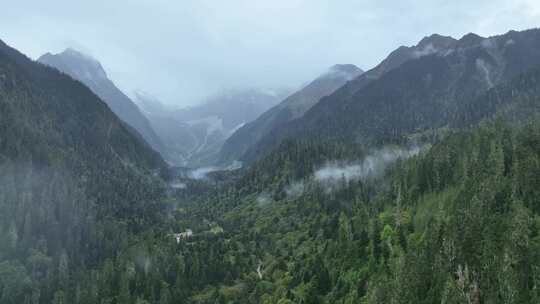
46, 109
289, 109
414, 89
184, 137
90, 72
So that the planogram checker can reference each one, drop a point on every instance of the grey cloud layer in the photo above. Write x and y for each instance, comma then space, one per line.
183, 50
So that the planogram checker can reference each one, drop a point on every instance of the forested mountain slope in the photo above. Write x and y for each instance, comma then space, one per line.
74, 183
291, 108
456, 223
90, 72
427, 91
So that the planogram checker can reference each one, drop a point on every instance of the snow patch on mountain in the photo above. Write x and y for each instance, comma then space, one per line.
485, 69
214, 124
231, 132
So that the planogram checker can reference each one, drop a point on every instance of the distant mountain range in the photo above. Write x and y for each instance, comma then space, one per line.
291, 108
185, 137
425, 86
430, 85
193, 136
90, 72
49, 117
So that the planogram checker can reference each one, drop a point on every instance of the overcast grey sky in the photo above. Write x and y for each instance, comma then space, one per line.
181, 50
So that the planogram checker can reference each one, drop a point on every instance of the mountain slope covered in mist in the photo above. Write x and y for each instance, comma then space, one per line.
435, 85
453, 219
75, 180
194, 135
90, 72
291, 108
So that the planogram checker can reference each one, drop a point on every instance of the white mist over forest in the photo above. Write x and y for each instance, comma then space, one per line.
371, 166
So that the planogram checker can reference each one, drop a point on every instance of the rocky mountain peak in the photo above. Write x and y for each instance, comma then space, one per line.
345, 71
76, 63
470, 39
437, 40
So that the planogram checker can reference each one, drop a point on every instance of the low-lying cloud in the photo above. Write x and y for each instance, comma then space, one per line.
178, 185
264, 199
295, 190
373, 165
202, 173
332, 174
